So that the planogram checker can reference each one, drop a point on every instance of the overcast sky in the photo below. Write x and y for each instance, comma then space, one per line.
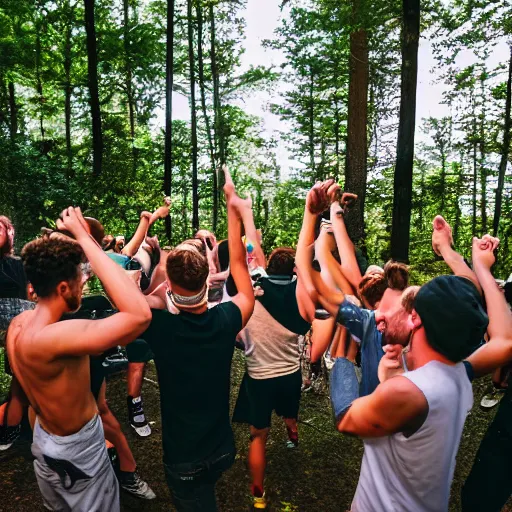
262, 18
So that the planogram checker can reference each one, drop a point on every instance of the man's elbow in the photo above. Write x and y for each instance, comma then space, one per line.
144, 319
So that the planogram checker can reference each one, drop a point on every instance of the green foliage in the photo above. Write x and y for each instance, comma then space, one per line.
43, 58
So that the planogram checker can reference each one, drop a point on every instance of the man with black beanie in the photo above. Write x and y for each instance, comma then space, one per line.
412, 423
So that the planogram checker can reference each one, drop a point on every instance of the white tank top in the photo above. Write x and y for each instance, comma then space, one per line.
414, 474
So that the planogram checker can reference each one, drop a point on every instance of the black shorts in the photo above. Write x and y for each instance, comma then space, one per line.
259, 397
97, 374
138, 351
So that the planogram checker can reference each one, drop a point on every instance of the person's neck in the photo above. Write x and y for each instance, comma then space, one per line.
199, 310
49, 310
422, 353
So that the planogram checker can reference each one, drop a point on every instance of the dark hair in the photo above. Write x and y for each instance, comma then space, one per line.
372, 288
187, 268
223, 254
396, 275
281, 262
8, 247
49, 261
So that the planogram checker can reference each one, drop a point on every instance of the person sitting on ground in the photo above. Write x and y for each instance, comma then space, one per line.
412, 423
273, 378
193, 352
50, 361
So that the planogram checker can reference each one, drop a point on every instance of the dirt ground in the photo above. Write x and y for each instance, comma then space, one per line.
319, 476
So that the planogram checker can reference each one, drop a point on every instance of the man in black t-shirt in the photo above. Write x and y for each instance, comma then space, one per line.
192, 353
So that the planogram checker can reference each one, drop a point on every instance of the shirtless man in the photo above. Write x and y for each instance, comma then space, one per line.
50, 361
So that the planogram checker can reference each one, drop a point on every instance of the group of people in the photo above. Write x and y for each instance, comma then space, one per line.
401, 358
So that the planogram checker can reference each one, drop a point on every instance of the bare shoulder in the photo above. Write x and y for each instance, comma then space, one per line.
17, 323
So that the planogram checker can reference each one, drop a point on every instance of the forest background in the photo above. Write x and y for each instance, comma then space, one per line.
87, 89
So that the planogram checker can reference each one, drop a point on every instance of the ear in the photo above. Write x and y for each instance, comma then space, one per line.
63, 289
416, 320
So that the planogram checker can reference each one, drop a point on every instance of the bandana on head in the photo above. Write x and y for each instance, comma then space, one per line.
184, 302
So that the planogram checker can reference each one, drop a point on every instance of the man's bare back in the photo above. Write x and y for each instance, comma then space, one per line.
58, 389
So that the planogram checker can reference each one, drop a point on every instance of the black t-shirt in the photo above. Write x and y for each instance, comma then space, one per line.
193, 360
280, 300
13, 283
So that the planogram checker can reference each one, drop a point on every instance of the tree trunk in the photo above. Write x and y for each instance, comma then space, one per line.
200, 58
505, 149
193, 115
92, 69
218, 178
67, 90
337, 136
13, 111
311, 117
402, 201
357, 126
129, 79
169, 80
481, 145
458, 193
39, 84
443, 176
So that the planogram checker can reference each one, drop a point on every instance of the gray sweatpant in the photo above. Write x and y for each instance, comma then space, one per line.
74, 473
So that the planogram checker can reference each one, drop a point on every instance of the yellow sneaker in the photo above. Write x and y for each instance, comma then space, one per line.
259, 503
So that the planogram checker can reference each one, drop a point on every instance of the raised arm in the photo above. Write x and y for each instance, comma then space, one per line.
346, 248
146, 221
497, 351
442, 244
82, 337
251, 233
244, 299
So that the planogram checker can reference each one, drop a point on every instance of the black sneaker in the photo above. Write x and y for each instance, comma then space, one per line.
133, 483
137, 417
8, 436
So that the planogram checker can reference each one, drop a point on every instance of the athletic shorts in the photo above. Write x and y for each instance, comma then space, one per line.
74, 472
259, 397
138, 351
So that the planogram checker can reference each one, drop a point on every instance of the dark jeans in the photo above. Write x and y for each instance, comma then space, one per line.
192, 485
489, 485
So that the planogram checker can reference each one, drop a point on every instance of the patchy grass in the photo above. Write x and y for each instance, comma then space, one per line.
321, 475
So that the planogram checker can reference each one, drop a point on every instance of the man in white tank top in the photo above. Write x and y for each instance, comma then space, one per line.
412, 423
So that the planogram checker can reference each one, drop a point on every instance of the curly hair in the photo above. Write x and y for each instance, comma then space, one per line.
187, 267
49, 261
396, 275
281, 262
8, 247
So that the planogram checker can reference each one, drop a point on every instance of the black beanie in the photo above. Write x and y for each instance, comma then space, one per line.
452, 313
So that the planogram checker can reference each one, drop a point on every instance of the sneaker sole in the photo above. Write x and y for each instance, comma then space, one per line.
4, 447
144, 431
148, 496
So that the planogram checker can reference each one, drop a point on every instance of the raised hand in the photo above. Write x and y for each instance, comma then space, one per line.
72, 221
483, 251
347, 201
318, 200
391, 362
441, 235
229, 186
